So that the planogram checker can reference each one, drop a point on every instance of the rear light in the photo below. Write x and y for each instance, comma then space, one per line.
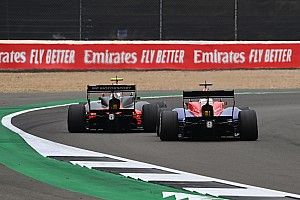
114, 104
114, 107
207, 111
92, 115
137, 115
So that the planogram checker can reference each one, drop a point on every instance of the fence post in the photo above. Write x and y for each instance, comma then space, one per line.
7, 21
160, 19
236, 20
80, 19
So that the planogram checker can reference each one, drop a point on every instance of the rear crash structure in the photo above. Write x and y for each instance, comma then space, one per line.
116, 108
205, 115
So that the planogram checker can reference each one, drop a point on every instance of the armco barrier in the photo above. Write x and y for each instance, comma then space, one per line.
150, 55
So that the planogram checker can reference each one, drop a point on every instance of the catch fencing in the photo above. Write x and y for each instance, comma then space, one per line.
150, 20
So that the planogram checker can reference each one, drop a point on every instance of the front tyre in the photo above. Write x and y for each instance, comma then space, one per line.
76, 118
248, 125
168, 126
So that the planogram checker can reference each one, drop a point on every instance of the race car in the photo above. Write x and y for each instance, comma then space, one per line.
112, 107
205, 115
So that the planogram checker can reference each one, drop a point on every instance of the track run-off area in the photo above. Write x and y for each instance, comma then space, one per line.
271, 162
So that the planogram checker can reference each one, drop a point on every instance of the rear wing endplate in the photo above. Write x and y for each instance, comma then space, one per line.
110, 88
208, 94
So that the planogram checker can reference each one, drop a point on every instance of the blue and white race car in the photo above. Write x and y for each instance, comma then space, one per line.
206, 115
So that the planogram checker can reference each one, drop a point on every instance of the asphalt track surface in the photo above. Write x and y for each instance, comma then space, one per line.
272, 162
15, 186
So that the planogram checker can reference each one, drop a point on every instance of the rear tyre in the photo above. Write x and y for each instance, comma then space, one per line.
76, 118
160, 110
149, 117
168, 127
248, 125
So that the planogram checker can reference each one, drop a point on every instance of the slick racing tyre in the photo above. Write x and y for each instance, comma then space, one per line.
248, 125
149, 117
76, 118
160, 110
168, 127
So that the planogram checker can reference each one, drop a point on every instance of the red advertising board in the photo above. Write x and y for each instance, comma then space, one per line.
70, 55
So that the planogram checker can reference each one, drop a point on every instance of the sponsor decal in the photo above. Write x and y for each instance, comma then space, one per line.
101, 88
183, 56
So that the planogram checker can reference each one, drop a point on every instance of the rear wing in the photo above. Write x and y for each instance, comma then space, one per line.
208, 94
110, 88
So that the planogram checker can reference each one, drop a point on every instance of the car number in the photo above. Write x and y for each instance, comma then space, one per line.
209, 124
111, 116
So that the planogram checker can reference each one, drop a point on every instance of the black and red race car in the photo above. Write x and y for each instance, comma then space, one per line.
113, 107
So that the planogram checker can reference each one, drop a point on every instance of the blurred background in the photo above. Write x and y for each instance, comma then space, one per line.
150, 19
